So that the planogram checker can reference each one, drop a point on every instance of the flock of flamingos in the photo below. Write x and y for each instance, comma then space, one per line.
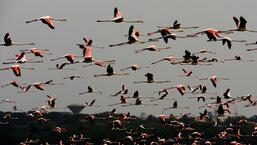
220, 105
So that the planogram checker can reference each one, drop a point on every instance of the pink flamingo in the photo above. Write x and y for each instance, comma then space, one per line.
16, 69
88, 58
48, 20
13, 83
211, 33
70, 57
168, 58
174, 106
134, 67
177, 25
8, 41
118, 18
214, 80
151, 48
228, 41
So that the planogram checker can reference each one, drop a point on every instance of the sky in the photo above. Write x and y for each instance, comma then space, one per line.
81, 22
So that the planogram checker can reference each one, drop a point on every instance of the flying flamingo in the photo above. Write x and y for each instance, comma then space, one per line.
88, 42
166, 34
118, 18
70, 57
38, 85
151, 48
181, 89
251, 43
123, 90
134, 67
88, 58
16, 69
132, 38
204, 51
168, 58
61, 67
214, 80
51, 101
228, 41
90, 90
162, 96
13, 83
8, 41
177, 25
48, 20
238, 58
187, 73
174, 106
72, 77
192, 90
150, 79
110, 72
123, 100
241, 25
22, 59
211, 33
37, 52
8, 101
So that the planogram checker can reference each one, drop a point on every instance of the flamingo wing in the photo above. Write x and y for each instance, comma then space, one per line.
7, 39
48, 22
236, 21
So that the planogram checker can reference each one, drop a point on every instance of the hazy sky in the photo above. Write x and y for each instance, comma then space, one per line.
81, 22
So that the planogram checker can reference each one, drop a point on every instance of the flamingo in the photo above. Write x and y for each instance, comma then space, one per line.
8, 41
37, 52
238, 58
162, 96
205, 51
61, 67
51, 101
132, 38
110, 72
38, 85
214, 80
48, 20
22, 59
8, 101
174, 106
118, 18
88, 42
187, 73
90, 90
241, 25
134, 67
166, 34
91, 103
152, 48
70, 57
150, 79
168, 58
193, 89
16, 69
123, 100
88, 58
211, 33
177, 25
72, 77
228, 41
181, 88
221, 111
13, 83
123, 90
251, 43
227, 94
